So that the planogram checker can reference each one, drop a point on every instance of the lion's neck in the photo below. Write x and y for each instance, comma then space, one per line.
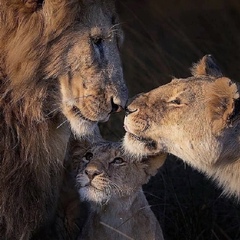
123, 217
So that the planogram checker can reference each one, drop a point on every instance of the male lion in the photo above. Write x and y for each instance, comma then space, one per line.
196, 119
112, 183
59, 68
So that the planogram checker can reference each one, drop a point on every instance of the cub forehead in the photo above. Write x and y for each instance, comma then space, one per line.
107, 151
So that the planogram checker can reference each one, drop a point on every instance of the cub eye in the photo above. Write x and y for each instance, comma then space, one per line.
88, 156
176, 101
118, 161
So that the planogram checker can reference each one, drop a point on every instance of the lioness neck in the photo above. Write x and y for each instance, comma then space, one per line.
227, 177
122, 218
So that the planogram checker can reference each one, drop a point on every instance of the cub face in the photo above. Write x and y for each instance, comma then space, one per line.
106, 173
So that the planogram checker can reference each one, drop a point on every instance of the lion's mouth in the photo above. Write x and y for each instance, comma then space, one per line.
149, 143
78, 113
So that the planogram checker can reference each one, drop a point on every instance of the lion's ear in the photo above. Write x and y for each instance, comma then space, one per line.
153, 163
206, 67
223, 103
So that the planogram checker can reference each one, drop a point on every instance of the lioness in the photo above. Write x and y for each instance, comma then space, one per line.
196, 119
112, 182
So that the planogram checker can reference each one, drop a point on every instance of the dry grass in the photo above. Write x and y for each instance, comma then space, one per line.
163, 39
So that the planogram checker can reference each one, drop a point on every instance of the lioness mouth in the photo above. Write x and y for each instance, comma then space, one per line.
151, 144
78, 113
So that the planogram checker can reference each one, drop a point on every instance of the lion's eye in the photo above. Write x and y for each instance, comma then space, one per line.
118, 161
97, 41
98, 44
88, 156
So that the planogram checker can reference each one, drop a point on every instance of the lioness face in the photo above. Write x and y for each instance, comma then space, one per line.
186, 117
91, 83
157, 120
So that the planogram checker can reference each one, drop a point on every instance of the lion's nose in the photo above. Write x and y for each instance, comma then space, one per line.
115, 107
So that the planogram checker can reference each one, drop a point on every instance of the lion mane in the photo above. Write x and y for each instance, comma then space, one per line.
35, 37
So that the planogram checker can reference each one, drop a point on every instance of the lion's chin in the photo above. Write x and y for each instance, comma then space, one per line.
80, 125
139, 146
82, 128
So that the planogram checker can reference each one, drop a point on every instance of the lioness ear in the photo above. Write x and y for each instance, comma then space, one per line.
206, 66
223, 103
153, 163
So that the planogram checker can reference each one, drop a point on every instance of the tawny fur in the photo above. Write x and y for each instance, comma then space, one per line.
51, 73
112, 184
196, 119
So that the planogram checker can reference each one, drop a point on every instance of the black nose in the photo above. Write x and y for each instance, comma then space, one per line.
115, 107
92, 172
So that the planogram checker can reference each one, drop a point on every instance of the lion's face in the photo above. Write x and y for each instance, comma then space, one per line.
107, 173
189, 118
93, 86
71, 43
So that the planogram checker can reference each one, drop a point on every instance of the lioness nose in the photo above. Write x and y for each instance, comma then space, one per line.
115, 107
92, 172
128, 111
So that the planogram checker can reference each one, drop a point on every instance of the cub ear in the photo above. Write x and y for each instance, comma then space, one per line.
206, 67
153, 163
223, 103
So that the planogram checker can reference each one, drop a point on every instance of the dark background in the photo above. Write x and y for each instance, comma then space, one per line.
162, 40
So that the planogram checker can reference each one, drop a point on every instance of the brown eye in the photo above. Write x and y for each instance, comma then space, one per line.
98, 44
118, 160
88, 156
176, 101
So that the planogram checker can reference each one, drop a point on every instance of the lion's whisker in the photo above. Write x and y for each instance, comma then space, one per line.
62, 123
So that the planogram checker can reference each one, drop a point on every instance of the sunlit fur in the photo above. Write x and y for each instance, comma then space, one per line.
114, 191
196, 119
53, 75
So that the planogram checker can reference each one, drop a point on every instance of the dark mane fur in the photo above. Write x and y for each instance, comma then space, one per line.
32, 148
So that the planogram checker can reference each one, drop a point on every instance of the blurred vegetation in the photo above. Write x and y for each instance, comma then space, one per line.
163, 39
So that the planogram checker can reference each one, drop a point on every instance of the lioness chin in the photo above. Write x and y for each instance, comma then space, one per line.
195, 119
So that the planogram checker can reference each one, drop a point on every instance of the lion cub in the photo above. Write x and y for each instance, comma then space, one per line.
112, 184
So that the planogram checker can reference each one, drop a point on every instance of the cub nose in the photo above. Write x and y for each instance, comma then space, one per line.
92, 172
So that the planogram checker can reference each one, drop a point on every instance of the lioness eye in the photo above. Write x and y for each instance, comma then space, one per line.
117, 160
176, 101
88, 156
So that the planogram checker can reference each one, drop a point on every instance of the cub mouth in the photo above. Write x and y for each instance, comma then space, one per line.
78, 113
148, 142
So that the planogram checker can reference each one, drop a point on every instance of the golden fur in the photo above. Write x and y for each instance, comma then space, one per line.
196, 119
112, 184
59, 68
